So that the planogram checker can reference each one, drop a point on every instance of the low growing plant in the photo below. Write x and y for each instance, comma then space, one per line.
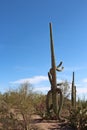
78, 118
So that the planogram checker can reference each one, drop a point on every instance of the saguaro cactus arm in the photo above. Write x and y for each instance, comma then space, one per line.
50, 77
58, 67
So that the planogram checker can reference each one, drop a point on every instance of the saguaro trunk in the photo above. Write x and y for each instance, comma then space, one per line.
54, 92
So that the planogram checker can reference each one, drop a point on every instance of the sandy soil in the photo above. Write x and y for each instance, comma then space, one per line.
40, 124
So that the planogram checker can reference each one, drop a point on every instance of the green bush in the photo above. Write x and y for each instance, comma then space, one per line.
16, 108
78, 118
40, 104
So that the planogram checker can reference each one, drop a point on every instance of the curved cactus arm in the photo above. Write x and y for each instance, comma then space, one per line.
48, 105
50, 78
55, 105
60, 103
58, 67
59, 64
59, 84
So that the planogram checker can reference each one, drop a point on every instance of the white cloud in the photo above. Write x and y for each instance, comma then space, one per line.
41, 85
39, 82
84, 80
82, 90
43, 89
33, 80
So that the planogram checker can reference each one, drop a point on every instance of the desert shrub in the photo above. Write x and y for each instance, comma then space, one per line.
82, 103
40, 104
78, 118
66, 107
18, 107
65, 87
7, 118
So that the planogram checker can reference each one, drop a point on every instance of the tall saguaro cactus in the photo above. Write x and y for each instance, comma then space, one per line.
73, 93
56, 104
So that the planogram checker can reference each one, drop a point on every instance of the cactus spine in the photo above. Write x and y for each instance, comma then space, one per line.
73, 93
54, 92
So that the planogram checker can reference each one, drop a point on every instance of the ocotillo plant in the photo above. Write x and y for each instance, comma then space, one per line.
54, 92
73, 93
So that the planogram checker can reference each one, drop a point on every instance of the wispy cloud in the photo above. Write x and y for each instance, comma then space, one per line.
82, 88
82, 92
84, 80
41, 84
33, 80
74, 68
43, 89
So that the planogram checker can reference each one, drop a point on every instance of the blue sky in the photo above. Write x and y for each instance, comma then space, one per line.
25, 43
